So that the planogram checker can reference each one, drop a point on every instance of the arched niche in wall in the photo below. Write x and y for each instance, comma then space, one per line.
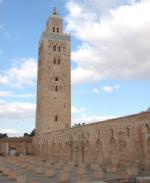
87, 135
70, 147
113, 146
99, 145
111, 133
147, 128
87, 152
148, 144
128, 132
76, 155
99, 152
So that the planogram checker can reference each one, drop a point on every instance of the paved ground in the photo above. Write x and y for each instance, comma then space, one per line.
4, 179
31, 175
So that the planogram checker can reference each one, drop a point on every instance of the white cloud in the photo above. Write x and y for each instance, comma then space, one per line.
81, 91
7, 131
23, 73
115, 45
84, 118
110, 89
4, 79
79, 115
91, 6
16, 110
5, 93
96, 90
75, 110
81, 75
1, 52
12, 95
28, 95
2, 101
11, 132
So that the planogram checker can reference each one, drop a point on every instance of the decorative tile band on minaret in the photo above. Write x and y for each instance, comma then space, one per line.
54, 78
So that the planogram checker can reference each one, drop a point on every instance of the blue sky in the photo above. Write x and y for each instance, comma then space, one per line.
110, 58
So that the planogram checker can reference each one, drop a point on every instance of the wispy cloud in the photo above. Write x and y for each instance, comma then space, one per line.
28, 95
4, 79
110, 89
5, 93
17, 110
75, 110
10, 94
85, 118
1, 52
79, 115
22, 73
96, 90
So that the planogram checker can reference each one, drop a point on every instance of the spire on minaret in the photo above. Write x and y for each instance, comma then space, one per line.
54, 12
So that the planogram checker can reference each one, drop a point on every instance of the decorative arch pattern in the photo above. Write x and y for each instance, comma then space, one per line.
99, 152
113, 145
147, 129
57, 46
56, 84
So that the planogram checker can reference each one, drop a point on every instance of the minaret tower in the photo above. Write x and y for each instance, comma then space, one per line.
54, 81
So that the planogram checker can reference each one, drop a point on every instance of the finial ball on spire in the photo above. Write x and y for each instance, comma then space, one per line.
54, 11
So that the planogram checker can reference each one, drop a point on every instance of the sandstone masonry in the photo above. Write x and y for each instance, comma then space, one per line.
116, 144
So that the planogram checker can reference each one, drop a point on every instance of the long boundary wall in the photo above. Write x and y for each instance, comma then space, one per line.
121, 142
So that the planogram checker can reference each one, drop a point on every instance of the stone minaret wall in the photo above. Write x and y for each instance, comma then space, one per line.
53, 86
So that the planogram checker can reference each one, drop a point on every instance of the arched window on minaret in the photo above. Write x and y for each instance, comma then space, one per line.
56, 79
57, 29
56, 88
54, 48
59, 61
54, 60
59, 49
53, 29
56, 118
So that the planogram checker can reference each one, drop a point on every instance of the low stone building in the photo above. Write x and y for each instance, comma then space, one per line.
16, 146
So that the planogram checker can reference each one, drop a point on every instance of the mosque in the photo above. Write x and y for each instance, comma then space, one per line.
125, 140
116, 145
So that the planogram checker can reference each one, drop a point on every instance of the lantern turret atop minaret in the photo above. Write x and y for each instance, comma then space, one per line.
54, 23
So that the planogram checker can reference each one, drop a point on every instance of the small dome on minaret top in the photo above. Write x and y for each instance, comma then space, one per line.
54, 12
